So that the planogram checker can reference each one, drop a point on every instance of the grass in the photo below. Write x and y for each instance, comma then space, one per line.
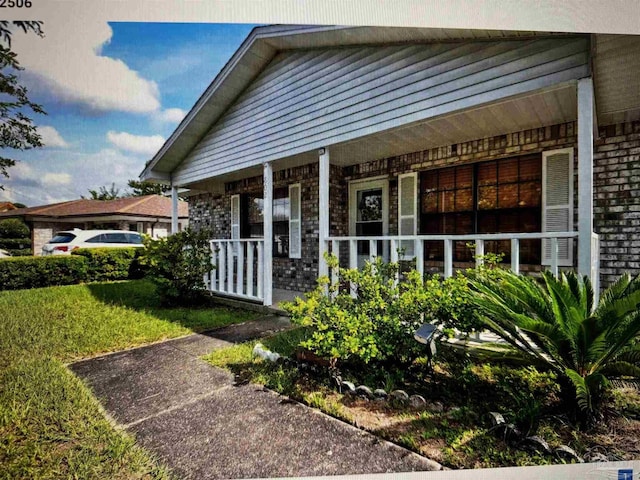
51, 426
458, 436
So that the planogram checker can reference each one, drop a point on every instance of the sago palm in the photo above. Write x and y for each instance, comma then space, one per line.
555, 320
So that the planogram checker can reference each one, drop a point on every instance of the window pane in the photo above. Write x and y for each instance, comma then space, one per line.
508, 195
464, 200
447, 201
487, 173
280, 239
487, 198
464, 176
530, 194
370, 205
531, 168
430, 202
508, 171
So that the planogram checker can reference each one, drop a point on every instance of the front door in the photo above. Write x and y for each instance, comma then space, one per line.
369, 215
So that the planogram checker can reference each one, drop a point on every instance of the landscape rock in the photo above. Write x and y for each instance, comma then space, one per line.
435, 407
535, 444
380, 393
567, 453
496, 419
399, 396
417, 401
597, 457
347, 388
364, 392
508, 432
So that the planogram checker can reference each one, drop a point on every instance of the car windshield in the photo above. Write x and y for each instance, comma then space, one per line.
62, 238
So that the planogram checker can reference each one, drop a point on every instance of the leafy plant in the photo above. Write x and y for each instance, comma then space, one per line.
177, 264
556, 322
105, 264
376, 322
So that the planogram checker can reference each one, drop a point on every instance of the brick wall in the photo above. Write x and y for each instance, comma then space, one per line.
617, 200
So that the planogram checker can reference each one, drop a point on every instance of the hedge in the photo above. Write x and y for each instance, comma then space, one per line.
19, 252
104, 264
34, 272
15, 243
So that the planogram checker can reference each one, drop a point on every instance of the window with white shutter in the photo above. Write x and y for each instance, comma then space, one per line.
407, 206
557, 202
295, 228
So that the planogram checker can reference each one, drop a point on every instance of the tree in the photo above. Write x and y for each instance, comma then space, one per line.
17, 131
105, 194
556, 322
141, 188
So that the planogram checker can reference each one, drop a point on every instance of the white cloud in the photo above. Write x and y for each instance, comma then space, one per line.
55, 179
147, 145
172, 115
68, 61
33, 182
51, 137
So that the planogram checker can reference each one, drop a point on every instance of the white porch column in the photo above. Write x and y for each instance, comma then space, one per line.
585, 178
268, 234
174, 209
323, 210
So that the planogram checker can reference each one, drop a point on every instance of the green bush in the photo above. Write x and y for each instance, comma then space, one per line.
19, 252
15, 243
33, 272
105, 264
14, 228
177, 265
377, 324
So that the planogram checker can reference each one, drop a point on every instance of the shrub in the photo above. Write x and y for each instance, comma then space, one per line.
556, 322
13, 228
104, 264
377, 324
19, 252
177, 264
15, 243
33, 272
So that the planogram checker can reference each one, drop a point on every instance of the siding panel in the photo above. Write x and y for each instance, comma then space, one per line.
305, 100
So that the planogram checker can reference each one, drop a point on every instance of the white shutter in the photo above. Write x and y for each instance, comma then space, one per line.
295, 227
235, 217
557, 202
407, 206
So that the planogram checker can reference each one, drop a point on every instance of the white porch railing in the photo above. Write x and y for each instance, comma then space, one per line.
237, 268
414, 244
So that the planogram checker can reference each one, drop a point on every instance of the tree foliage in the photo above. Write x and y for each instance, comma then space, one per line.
141, 188
14, 228
17, 131
104, 193
556, 322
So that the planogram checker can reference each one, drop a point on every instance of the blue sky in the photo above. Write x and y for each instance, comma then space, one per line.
112, 92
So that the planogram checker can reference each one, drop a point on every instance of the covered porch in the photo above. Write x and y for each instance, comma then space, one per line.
243, 266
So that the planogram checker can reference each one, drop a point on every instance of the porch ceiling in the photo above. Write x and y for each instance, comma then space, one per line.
536, 109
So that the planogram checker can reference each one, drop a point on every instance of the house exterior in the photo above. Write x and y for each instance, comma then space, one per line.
411, 144
149, 214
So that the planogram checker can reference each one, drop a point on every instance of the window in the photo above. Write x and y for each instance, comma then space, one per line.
252, 224
500, 196
62, 238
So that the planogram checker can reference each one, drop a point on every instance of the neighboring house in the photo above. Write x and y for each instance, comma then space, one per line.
363, 140
7, 206
150, 214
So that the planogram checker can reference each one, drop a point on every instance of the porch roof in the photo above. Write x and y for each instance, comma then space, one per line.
616, 60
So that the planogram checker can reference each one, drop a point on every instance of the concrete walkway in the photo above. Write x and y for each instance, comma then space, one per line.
204, 426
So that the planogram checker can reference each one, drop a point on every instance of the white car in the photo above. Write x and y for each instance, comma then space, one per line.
63, 243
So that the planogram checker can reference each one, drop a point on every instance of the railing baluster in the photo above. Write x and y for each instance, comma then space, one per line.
335, 251
250, 246
479, 252
554, 256
515, 255
353, 261
448, 258
240, 275
260, 268
394, 256
230, 269
222, 273
213, 273
373, 250
419, 251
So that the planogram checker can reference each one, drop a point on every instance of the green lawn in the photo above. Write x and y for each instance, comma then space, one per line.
51, 426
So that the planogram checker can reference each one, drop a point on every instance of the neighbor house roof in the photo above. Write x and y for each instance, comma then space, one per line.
146, 206
6, 206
